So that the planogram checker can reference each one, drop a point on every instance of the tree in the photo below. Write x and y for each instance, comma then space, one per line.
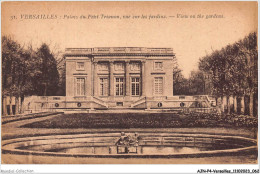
180, 83
48, 81
197, 83
12, 70
234, 69
27, 72
249, 54
62, 75
18, 71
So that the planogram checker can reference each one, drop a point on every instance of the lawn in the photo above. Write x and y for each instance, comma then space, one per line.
144, 120
109, 120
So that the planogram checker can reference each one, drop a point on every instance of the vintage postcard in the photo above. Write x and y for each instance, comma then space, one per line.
130, 83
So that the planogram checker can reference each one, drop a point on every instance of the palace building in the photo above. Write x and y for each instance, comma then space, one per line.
118, 77
111, 79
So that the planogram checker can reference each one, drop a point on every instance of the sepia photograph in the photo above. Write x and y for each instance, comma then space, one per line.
130, 83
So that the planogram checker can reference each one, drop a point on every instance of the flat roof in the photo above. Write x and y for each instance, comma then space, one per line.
119, 51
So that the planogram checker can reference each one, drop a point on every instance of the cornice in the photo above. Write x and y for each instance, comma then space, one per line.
120, 54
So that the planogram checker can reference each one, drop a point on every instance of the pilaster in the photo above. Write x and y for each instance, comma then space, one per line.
111, 78
143, 78
95, 80
127, 78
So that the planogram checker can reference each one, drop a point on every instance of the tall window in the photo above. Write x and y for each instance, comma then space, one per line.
103, 91
135, 84
80, 86
80, 66
158, 85
119, 86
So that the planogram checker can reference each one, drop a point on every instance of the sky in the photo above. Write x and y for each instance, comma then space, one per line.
163, 25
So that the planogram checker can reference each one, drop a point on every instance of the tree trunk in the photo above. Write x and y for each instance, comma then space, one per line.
4, 106
218, 103
20, 105
242, 105
231, 101
255, 104
16, 105
46, 90
225, 103
222, 105
10, 104
235, 104
251, 104
228, 104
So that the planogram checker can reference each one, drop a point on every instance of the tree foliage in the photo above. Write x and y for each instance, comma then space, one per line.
47, 83
229, 71
196, 84
234, 71
26, 71
180, 83
233, 68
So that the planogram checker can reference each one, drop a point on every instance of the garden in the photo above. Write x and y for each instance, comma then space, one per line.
146, 120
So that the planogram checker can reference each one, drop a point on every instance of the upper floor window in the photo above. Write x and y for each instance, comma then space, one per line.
135, 67
119, 66
158, 65
80, 66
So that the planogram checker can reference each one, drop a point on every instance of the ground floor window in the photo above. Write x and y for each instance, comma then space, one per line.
80, 86
135, 86
119, 86
158, 85
103, 90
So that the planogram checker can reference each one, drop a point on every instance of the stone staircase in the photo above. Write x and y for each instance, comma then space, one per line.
138, 102
99, 101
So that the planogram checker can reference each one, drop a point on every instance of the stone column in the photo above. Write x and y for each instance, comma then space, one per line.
92, 79
127, 78
111, 78
93, 67
143, 78
95, 79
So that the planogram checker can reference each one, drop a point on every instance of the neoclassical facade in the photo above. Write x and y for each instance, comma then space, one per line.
112, 79
119, 77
